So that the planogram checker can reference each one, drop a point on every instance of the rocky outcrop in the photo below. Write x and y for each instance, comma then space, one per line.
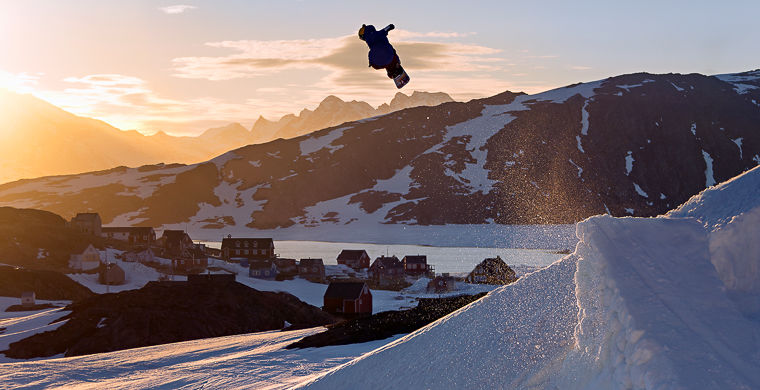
40, 240
334, 111
47, 285
386, 324
166, 312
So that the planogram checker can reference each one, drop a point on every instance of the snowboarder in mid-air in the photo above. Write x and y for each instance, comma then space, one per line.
381, 54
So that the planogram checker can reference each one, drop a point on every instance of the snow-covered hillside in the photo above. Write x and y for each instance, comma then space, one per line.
641, 303
637, 144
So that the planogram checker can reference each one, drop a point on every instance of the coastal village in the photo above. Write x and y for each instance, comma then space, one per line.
350, 282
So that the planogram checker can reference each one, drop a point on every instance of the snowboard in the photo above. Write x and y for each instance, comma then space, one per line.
401, 79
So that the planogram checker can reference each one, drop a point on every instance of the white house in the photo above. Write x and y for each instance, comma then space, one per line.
27, 298
87, 260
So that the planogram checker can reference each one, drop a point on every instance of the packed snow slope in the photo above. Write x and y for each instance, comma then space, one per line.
637, 144
642, 303
252, 361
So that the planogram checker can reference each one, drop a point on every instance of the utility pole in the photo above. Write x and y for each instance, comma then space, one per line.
108, 284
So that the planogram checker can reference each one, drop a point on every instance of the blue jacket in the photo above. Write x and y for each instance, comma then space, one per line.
381, 52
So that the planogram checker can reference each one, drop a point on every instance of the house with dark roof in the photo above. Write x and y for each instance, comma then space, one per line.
348, 298
176, 243
312, 270
88, 223
191, 261
143, 236
262, 269
416, 265
287, 267
442, 284
354, 258
492, 271
386, 270
111, 274
249, 248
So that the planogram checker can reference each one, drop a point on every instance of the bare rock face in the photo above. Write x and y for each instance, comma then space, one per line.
637, 144
166, 312
334, 111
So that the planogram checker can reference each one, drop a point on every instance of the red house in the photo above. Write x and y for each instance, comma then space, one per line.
348, 298
355, 259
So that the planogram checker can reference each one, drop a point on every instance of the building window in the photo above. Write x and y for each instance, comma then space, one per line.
237, 244
245, 243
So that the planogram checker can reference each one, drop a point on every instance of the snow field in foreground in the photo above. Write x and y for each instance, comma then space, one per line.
256, 360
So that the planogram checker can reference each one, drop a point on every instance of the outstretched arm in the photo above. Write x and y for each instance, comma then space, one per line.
389, 27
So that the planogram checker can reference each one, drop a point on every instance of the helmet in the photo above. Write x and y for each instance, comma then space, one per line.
361, 32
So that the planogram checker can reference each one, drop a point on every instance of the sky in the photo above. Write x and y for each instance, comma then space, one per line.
187, 65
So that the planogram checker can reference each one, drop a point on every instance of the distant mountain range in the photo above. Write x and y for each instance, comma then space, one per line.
39, 139
637, 144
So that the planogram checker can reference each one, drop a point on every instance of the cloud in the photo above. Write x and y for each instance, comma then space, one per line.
177, 9
19, 82
578, 67
255, 58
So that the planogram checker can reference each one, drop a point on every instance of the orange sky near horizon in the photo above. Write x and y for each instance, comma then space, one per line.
182, 68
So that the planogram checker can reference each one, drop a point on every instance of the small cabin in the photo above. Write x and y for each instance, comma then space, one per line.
191, 261
312, 270
111, 274
415, 265
442, 284
88, 223
286, 266
28, 298
386, 270
262, 269
88, 260
492, 271
348, 298
354, 258
176, 243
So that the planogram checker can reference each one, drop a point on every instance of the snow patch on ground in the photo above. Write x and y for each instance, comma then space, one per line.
136, 275
580, 170
679, 89
709, 178
736, 81
580, 147
560, 95
319, 142
738, 142
639, 190
584, 117
480, 130
629, 163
